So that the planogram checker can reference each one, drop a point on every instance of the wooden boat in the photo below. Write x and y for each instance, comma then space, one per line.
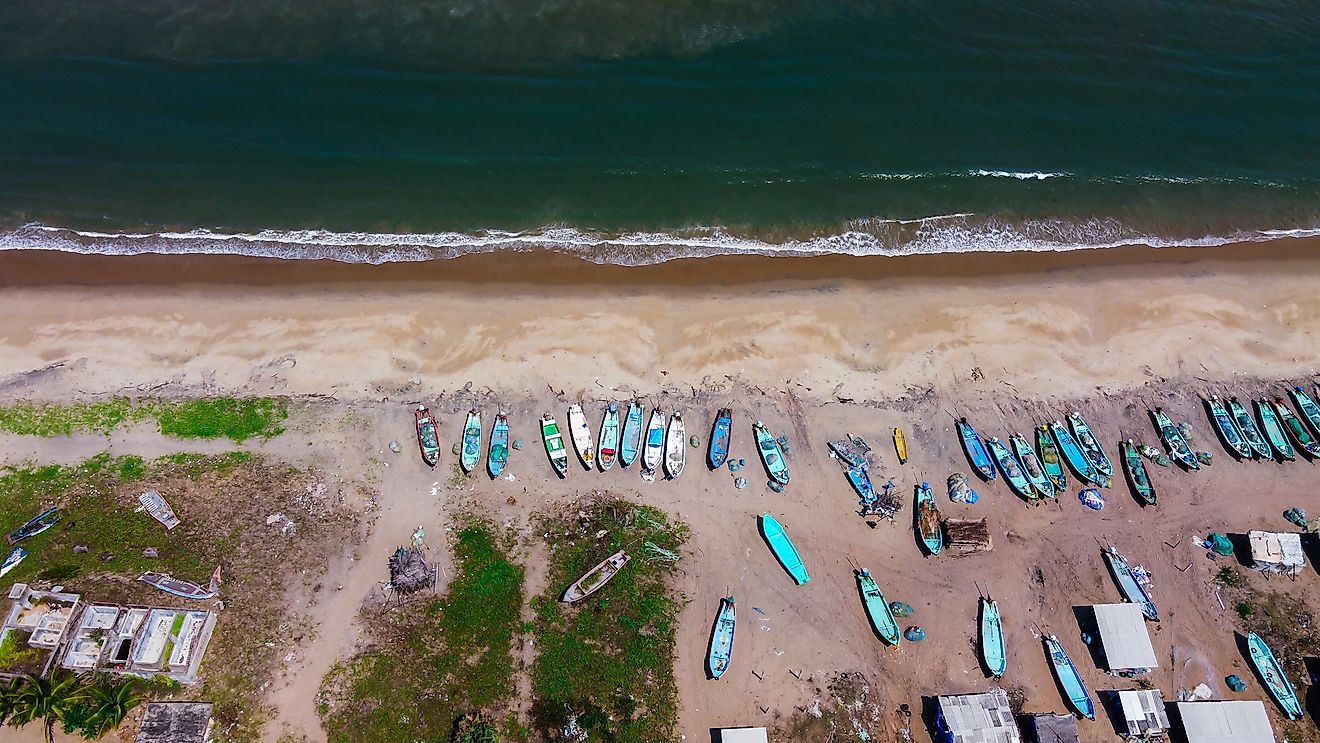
1271, 672
975, 450
900, 446
596, 578
498, 454
1132, 591
1069, 679
1294, 426
993, 652
1072, 454
1012, 471
1090, 445
783, 549
1031, 466
609, 438
771, 455
554, 444
630, 442
15, 556
471, 451
1174, 441
675, 446
581, 433
35, 525
877, 609
428, 432
860, 479
182, 588
720, 435
1246, 425
653, 451
1049, 459
1136, 472
155, 504
1228, 430
721, 639
1310, 411
1273, 428
928, 520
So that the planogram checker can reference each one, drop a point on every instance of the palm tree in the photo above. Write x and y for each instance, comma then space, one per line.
46, 700
110, 702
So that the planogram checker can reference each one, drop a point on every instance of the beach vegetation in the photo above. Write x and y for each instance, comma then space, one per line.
1229, 578
1245, 609
235, 418
28, 418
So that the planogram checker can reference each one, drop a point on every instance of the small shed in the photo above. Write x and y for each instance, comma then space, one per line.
1143, 712
1051, 728
1226, 722
175, 722
1124, 638
743, 735
1277, 552
966, 536
976, 718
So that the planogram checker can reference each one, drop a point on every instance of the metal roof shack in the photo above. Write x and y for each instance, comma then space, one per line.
1225, 722
175, 722
1143, 711
976, 718
1051, 728
1277, 552
1124, 638
743, 735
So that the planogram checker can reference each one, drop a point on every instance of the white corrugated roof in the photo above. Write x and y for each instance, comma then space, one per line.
1226, 722
1124, 636
1277, 548
1143, 710
743, 735
980, 718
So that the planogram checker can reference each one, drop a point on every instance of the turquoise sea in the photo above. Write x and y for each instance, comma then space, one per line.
635, 131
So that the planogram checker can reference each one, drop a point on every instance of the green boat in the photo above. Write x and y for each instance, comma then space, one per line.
1228, 430
1274, 432
1271, 672
1302, 437
771, 455
1136, 473
1012, 471
554, 444
783, 548
1031, 466
1049, 459
471, 453
928, 520
1310, 411
877, 609
1174, 440
1247, 427
993, 652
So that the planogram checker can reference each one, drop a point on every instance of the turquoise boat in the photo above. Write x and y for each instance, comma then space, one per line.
1012, 471
975, 450
927, 518
1271, 672
471, 441
1227, 429
771, 455
1073, 454
993, 652
1090, 445
1069, 678
783, 549
721, 639
1032, 467
1173, 439
1274, 432
609, 438
34, 526
861, 482
498, 454
1128, 585
1294, 426
720, 435
630, 443
1049, 459
1310, 411
1247, 427
877, 609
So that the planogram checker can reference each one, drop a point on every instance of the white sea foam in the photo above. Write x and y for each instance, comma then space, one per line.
1030, 175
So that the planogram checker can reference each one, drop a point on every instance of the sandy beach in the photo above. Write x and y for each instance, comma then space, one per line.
842, 347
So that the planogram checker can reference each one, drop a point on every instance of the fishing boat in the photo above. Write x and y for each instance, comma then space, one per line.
993, 652
427, 435
182, 588
609, 438
1012, 471
155, 504
1072, 454
1174, 441
1228, 430
771, 455
1132, 591
1031, 466
1247, 427
1271, 672
1294, 426
1274, 432
783, 549
630, 442
928, 520
554, 444
1069, 679
471, 452
1090, 444
498, 454
721, 639
1049, 459
35, 525
1310, 411
720, 435
900, 446
1136, 472
975, 450
860, 479
15, 556
675, 446
653, 452
596, 578
877, 609
581, 433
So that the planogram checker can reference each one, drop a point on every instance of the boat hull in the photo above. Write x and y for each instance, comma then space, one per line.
653, 449
1273, 676
1128, 585
975, 450
630, 440
1174, 441
609, 438
471, 452
1229, 434
1050, 460
993, 652
554, 444
428, 433
721, 434
927, 518
1011, 470
772, 456
675, 447
1072, 453
783, 549
1090, 445
878, 613
1249, 430
1274, 432
596, 578
1137, 477
1071, 681
1032, 467
720, 653
498, 455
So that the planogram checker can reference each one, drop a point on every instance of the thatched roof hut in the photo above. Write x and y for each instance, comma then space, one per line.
967, 535
409, 571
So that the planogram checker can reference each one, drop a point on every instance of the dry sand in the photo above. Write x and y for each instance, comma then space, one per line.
814, 358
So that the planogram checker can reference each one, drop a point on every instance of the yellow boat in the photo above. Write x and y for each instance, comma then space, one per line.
900, 445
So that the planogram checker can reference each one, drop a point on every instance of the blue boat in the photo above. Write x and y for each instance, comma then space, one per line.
1069, 679
471, 452
720, 435
630, 445
721, 639
1128, 585
35, 526
975, 449
1012, 470
861, 482
1086, 440
1073, 454
498, 454
1271, 672
783, 549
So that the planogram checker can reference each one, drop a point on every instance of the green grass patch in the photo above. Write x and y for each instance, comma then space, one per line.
236, 418
438, 659
609, 660
56, 419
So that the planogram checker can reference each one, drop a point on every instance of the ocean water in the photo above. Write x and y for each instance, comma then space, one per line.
636, 131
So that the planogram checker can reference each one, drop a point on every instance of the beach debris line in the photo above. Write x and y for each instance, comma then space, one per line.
154, 503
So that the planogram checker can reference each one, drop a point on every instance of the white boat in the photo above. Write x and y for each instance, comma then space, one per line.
653, 445
16, 555
675, 447
577, 426
596, 578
